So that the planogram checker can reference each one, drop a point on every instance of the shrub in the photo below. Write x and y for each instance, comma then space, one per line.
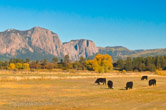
123, 71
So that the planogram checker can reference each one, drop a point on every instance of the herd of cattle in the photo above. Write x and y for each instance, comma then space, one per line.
129, 85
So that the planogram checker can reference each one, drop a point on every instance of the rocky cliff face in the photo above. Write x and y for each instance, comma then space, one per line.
39, 41
45, 40
13, 40
77, 48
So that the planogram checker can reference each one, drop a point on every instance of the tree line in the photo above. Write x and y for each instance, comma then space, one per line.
148, 63
101, 64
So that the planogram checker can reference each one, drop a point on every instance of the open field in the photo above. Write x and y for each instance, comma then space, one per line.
79, 92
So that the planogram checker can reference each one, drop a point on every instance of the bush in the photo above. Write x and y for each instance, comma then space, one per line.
123, 71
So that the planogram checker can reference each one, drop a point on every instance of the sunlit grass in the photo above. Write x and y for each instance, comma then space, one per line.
81, 93
158, 72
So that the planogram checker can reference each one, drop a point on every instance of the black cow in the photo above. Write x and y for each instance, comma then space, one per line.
152, 82
101, 80
144, 77
129, 85
110, 84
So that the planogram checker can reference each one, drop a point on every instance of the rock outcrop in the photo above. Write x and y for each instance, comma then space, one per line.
40, 41
77, 48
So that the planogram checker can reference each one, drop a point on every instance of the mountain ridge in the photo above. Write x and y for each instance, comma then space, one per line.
39, 43
16, 43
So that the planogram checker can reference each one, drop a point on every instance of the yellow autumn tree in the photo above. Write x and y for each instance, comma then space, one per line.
89, 64
102, 63
19, 65
11, 66
25, 66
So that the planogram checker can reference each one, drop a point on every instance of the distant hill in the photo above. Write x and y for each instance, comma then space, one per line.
39, 43
152, 52
122, 52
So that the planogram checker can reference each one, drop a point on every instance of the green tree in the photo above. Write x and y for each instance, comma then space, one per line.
135, 64
1, 63
82, 60
157, 62
163, 64
141, 67
128, 65
82, 63
138, 64
45, 61
120, 64
16, 60
27, 60
148, 62
37, 61
152, 67
66, 63
66, 59
55, 60
5, 64
61, 61
76, 65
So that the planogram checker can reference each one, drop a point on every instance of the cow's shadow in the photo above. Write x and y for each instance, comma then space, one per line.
122, 89
108, 88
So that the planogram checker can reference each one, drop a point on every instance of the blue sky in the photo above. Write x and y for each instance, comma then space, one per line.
135, 24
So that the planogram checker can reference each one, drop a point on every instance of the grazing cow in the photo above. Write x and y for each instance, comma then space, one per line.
110, 84
101, 80
144, 77
152, 82
129, 85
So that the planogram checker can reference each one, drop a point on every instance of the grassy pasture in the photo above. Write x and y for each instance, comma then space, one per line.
81, 93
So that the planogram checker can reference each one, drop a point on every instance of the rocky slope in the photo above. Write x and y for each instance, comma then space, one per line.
77, 48
38, 42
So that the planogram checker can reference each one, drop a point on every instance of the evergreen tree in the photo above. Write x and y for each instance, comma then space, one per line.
128, 65
163, 64
82, 63
37, 61
148, 62
27, 60
66, 59
55, 60
157, 62
141, 67
120, 64
135, 63
66, 63
45, 61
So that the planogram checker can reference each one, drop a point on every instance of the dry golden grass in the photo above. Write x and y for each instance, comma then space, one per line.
79, 92
161, 72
